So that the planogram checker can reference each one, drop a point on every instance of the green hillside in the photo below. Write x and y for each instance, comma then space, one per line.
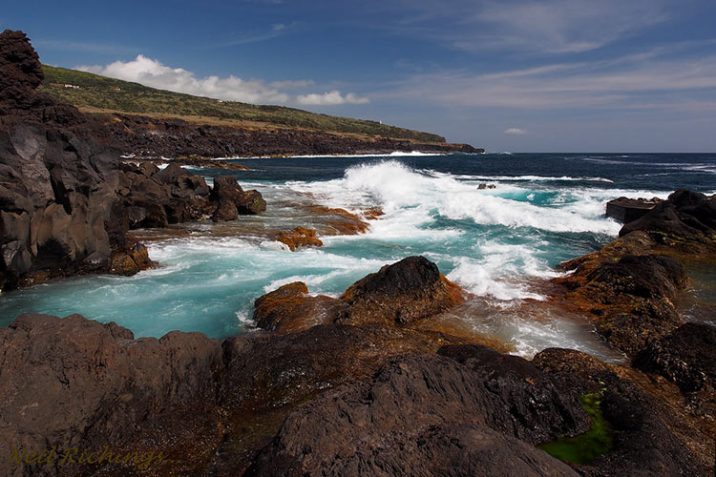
96, 92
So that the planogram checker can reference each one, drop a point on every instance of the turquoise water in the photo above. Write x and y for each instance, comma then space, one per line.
497, 243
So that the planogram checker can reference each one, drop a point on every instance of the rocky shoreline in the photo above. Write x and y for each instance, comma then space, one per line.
176, 138
369, 383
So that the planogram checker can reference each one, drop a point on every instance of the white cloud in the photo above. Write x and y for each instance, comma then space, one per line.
332, 98
515, 132
151, 72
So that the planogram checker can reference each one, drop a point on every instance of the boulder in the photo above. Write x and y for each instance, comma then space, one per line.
626, 210
686, 220
251, 203
401, 293
290, 308
299, 237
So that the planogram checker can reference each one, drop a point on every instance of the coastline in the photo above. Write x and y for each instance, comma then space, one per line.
383, 375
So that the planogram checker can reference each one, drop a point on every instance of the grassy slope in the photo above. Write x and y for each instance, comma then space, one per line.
106, 94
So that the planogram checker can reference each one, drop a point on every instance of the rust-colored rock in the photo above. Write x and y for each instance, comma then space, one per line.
401, 293
299, 237
627, 290
373, 213
339, 221
131, 261
290, 309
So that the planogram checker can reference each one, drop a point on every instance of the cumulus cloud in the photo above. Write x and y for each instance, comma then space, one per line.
153, 73
515, 132
331, 98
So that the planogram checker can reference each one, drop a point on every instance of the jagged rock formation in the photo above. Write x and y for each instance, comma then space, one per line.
332, 400
686, 220
66, 201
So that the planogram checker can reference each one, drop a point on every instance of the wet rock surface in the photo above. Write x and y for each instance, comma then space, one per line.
322, 399
290, 308
299, 237
686, 220
66, 200
403, 292
629, 292
686, 357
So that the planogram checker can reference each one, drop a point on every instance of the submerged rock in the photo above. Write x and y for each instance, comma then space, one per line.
401, 293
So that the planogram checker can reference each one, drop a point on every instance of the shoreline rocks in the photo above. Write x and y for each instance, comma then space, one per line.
66, 199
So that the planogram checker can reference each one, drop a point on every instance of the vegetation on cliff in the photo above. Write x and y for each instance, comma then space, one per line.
92, 92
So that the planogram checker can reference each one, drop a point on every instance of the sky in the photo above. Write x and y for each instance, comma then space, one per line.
509, 75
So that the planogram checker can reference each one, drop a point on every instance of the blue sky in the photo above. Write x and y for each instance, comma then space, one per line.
510, 75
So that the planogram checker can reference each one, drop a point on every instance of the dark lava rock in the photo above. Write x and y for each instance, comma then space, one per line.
423, 415
629, 297
66, 202
538, 411
152, 137
686, 220
77, 383
647, 433
686, 357
290, 308
331, 400
231, 200
408, 290
627, 210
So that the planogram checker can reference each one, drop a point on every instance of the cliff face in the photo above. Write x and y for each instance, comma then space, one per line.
56, 184
66, 201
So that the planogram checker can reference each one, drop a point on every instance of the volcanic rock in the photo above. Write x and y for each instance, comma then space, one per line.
687, 357
627, 210
401, 293
290, 308
629, 297
687, 219
299, 237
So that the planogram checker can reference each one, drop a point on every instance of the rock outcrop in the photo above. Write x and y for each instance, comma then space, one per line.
418, 416
290, 308
687, 220
686, 357
66, 201
401, 293
299, 237
329, 400
627, 290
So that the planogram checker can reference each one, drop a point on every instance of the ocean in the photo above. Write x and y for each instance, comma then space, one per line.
498, 243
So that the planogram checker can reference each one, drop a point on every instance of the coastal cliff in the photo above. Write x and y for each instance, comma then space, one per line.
66, 199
